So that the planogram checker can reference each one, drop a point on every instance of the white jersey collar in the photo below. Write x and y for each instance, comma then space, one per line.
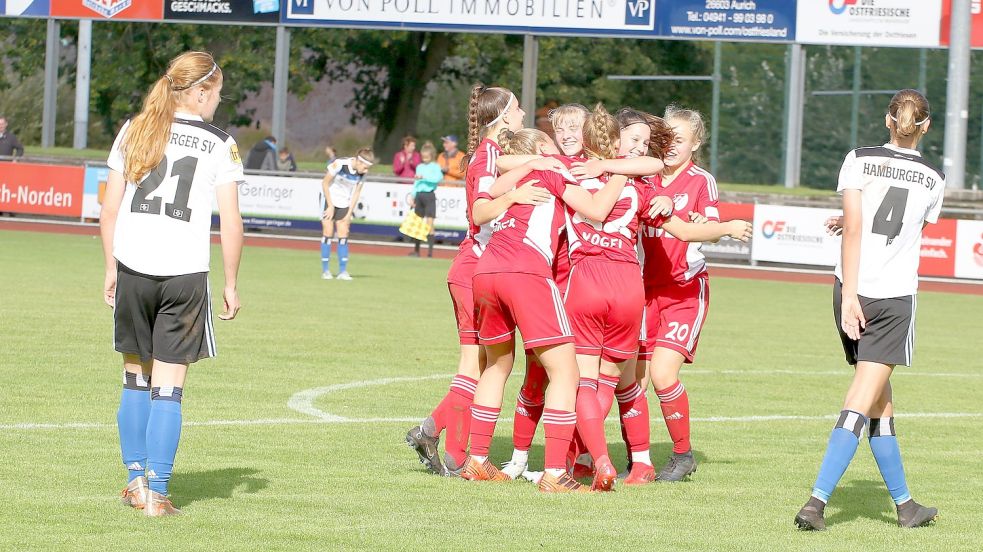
899, 149
187, 116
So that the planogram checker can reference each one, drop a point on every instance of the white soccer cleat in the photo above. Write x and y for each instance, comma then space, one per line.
326, 276
514, 469
344, 276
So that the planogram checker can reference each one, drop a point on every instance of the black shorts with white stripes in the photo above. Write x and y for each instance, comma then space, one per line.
168, 318
889, 335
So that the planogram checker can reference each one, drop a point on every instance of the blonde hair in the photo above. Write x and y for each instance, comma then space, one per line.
566, 112
523, 141
601, 134
366, 153
908, 110
696, 124
427, 152
145, 139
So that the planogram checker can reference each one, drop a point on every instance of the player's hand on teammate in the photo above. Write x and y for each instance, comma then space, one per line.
739, 230
853, 321
834, 226
231, 299
587, 169
660, 206
546, 164
530, 194
109, 289
697, 218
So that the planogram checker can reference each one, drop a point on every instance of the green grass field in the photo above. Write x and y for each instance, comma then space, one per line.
254, 474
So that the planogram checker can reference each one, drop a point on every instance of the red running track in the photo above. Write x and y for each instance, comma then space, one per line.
395, 250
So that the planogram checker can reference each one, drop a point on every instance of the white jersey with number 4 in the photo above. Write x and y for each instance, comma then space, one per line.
900, 192
164, 221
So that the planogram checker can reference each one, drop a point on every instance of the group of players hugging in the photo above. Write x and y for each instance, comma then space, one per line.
588, 242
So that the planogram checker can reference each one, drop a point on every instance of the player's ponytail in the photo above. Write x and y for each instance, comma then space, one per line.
525, 141
486, 107
694, 119
661, 135
145, 139
601, 134
909, 111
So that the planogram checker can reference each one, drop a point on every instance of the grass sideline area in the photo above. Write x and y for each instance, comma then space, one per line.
252, 473
386, 170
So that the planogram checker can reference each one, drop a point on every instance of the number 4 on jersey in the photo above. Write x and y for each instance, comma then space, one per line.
890, 215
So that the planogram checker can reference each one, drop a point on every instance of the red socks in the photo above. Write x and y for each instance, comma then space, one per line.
454, 414
675, 411
605, 393
634, 410
559, 426
527, 415
483, 420
590, 421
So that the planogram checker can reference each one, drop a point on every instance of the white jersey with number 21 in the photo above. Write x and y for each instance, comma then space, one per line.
164, 221
900, 192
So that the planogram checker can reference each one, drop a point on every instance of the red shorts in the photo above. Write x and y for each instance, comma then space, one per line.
504, 301
463, 299
604, 300
674, 316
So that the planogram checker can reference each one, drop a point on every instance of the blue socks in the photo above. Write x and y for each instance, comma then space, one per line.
131, 418
325, 253
884, 445
843, 442
163, 434
343, 254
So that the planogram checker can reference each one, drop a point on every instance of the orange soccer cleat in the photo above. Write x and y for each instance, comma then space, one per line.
482, 471
561, 484
640, 474
135, 494
604, 475
159, 505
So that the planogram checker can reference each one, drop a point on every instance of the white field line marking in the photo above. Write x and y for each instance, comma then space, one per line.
302, 402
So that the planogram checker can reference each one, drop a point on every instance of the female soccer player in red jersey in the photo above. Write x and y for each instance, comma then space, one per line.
513, 287
677, 291
491, 109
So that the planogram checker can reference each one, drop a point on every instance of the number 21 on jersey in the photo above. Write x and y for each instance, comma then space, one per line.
184, 170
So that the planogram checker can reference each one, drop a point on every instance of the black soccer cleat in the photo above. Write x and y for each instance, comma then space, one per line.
912, 514
426, 447
678, 467
810, 517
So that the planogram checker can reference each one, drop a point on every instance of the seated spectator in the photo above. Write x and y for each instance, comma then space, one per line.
424, 197
285, 160
406, 159
451, 159
263, 155
10, 146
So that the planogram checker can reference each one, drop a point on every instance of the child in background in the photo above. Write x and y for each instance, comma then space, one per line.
424, 198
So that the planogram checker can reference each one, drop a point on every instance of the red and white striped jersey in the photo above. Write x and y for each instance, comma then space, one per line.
480, 176
526, 237
614, 238
667, 260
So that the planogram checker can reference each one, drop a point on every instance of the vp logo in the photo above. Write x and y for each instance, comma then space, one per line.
302, 7
638, 12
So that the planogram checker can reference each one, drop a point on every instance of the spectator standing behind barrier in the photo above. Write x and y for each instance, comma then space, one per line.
451, 160
263, 155
406, 159
285, 160
10, 146
424, 198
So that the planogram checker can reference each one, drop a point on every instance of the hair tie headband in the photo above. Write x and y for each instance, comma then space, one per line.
364, 160
919, 123
169, 80
508, 104
197, 82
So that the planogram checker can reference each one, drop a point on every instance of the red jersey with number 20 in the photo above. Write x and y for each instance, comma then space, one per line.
615, 238
525, 238
480, 176
668, 260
